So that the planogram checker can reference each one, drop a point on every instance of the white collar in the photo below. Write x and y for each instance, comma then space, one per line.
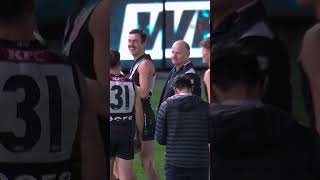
185, 94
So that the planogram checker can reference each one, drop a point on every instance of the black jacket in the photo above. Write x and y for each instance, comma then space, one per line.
259, 142
182, 125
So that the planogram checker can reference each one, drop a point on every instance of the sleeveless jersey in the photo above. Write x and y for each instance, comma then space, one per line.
39, 112
78, 42
122, 101
134, 73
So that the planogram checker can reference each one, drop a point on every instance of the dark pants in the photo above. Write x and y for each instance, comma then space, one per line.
181, 173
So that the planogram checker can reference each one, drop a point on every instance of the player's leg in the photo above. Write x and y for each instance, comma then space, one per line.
146, 158
112, 160
125, 168
125, 155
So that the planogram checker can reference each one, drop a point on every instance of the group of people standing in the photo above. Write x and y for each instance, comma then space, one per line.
142, 128
249, 124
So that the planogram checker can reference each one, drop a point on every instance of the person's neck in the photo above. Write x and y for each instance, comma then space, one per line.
184, 91
239, 94
115, 71
21, 30
136, 57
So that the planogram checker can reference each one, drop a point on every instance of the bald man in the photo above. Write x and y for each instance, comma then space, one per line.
182, 65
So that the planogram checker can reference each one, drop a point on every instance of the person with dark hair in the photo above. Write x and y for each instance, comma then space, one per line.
125, 115
205, 51
251, 140
182, 125
243, 23
182, 65
43, 107
143, 74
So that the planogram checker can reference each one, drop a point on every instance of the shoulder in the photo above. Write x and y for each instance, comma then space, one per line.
313, 34
310, 46
98, 18
147, 62
164, 105
146, 65
207, 74
192, 74
314, 31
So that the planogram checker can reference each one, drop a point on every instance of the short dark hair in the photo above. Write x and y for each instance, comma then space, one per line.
14, 9
232, 67
142, 33
182, 82
205, 43
115, 58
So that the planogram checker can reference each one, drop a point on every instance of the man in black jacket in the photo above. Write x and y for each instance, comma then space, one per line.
182, 125
243, 23
182, 65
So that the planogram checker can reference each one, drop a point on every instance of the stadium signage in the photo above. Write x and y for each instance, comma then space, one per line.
182, 21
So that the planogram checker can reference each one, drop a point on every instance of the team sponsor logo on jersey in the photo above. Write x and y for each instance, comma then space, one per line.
24, 55
121, 118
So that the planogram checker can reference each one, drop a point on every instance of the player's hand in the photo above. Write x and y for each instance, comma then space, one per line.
137, 143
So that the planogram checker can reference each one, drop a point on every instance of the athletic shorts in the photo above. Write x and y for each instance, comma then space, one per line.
121, 142
149, 121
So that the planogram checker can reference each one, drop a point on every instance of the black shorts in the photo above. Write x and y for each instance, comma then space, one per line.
121, 142
149, 121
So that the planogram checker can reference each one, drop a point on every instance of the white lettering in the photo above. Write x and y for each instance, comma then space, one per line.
124, 118
131, 22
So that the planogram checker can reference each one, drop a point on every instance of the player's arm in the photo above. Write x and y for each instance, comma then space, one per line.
91, 145
310, 61
99, 29
206, 80
139, 114
146, 70
161, 124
